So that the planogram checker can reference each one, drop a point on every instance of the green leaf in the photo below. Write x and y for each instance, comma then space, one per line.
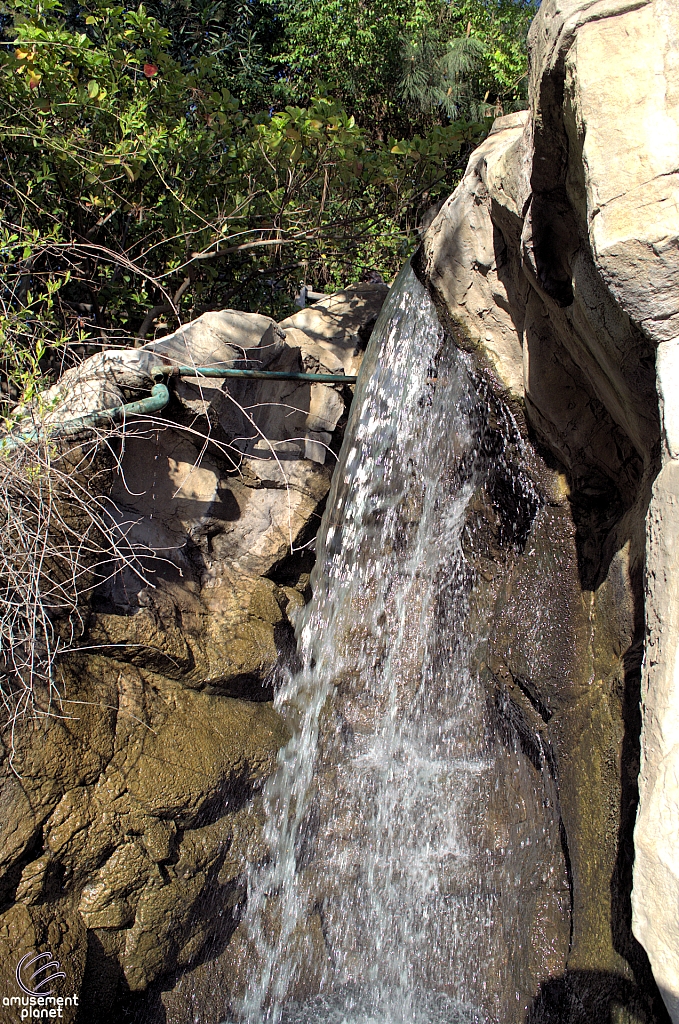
92, 89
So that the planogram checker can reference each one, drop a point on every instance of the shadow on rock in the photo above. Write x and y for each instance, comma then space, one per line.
594, 997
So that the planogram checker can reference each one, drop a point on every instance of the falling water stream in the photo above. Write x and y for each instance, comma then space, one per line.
390, 893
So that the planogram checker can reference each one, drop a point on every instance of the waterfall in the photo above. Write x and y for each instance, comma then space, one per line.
393, 881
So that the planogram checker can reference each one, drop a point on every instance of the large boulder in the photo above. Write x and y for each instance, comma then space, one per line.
130, 811
221, 339
104, 381
211, 503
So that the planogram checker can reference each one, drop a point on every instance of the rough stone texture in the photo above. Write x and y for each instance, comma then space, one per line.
469, 266
223, 516
221, 339
130, 817
333, 332
655, 897
555, 263
104, 381
127, 816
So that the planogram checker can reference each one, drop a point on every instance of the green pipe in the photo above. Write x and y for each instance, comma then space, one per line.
213, 371
156, 401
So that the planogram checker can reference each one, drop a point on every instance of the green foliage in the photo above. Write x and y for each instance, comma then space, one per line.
141, 184
29, 326
393, 62
237, 35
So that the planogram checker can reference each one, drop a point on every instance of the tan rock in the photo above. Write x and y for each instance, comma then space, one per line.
272, 519
109, 898
575, 214
333, 331
164, 478
655, 896
630, 163
134, 812
52, 754
467, 261
174, 787
94, 385
172, 924
32, 885
170, 775
622, 184
325, 409
221, 338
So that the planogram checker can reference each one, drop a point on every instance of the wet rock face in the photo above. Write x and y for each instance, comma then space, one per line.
561, 667
517, 858
547, 265
129, 818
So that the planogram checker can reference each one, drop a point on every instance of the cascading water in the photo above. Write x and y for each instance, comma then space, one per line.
393, 881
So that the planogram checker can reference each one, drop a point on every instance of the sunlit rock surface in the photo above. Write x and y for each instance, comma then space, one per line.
334, 331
